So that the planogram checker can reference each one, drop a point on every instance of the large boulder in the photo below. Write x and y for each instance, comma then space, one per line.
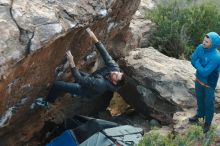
34, 37
158, 85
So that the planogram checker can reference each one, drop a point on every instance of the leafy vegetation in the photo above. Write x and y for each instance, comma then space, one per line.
193, 137
181, 25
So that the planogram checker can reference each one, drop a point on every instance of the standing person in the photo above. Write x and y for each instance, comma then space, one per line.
206, 60
108, 78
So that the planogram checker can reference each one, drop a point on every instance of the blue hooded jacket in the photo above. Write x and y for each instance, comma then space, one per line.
206, 61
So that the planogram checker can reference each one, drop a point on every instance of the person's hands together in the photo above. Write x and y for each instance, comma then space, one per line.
197, 63
70, 59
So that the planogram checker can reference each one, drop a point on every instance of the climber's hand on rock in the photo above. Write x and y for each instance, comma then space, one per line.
70, 59
92, 35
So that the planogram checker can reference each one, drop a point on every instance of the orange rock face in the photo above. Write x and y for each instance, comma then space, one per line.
34, 38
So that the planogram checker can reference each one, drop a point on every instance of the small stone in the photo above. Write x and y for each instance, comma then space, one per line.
138, 56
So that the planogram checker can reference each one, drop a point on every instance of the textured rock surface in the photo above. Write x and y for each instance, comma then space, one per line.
140, 27
34, 37
136, 35
217, 97
158, 83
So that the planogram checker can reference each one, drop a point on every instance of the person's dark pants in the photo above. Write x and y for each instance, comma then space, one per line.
61, 86
205, 102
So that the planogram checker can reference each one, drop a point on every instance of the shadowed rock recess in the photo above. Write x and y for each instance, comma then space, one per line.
34, 37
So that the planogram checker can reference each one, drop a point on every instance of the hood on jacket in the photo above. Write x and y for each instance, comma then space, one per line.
215, 39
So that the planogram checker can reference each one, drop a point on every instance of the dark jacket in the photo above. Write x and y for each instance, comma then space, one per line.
96, 83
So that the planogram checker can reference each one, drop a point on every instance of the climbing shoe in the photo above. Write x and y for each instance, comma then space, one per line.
206, 127
39, 103
194, 119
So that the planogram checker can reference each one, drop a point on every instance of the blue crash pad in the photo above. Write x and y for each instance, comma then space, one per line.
67, 138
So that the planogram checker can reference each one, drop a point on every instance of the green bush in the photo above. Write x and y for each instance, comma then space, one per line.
194, 136
181, 25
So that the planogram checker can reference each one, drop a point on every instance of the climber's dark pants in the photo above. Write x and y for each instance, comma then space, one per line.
60, 86
205, 102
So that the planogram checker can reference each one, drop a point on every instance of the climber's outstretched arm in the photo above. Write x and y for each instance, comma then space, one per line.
102, 50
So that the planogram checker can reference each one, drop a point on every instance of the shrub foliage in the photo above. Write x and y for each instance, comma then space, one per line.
181, 25
194, 137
